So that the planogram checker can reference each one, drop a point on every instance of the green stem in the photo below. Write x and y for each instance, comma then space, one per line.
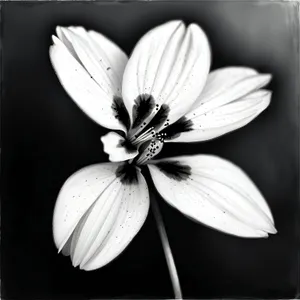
167, 249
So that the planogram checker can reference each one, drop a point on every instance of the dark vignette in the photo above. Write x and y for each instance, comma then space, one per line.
44, 141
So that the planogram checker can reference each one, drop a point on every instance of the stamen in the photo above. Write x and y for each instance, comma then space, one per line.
145, 136
152, 150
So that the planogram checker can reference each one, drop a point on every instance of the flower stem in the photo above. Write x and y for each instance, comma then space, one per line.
167, 249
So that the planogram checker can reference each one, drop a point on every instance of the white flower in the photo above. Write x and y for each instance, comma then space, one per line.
163, 93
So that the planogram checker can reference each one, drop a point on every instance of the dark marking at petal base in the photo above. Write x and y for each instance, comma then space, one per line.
160, 117
142, 109
175, 170
174, 130
127, 173
120, 111
127, 145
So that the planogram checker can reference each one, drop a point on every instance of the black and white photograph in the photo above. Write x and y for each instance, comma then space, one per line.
150, 149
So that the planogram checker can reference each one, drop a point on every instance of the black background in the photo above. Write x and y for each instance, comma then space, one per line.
45, 138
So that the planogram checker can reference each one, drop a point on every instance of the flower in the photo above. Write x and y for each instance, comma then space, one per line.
162, 93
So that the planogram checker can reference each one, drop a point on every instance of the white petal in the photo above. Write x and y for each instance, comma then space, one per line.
228, 84
170, 63
61, 35
97, 224
133, 206
114, 55
77, 195
226, 118
92, 84
95, 59
114, 147
215, 192
231, 99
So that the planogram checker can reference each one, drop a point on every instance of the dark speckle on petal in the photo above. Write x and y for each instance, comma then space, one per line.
160, 117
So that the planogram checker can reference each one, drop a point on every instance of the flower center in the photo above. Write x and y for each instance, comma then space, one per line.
149, 143
151, 150
150, 126
137, 140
